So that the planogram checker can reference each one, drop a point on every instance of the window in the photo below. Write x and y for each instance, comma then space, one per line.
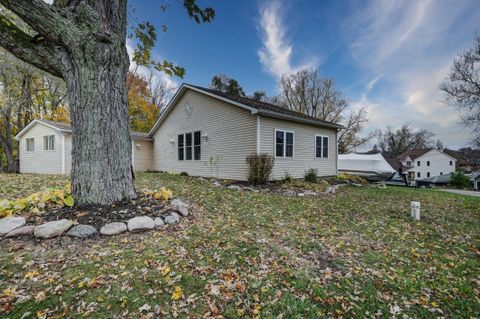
189, 146
451, 163
197, 148
409, 163
181, 149
49, 143
428, 174
30, 144
418, 163
428, 163
283, 144
321, 146
418, 174
441, 173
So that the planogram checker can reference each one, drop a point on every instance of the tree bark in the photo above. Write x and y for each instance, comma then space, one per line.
101, 149
6, 142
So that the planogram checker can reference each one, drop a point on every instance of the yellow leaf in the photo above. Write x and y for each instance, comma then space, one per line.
68, 200
177, 293
165, 270
31, 274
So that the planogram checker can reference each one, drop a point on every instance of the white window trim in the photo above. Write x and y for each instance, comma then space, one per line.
47, 150
315, 145
193, 147
284, 143
26, 145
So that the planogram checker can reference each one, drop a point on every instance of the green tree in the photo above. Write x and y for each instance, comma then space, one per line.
84, 43
459, 180
224, 83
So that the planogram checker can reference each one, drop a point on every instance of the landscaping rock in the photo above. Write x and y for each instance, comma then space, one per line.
140, 223
82, 231
290, 193
216, 184
179, 206
52, 229
8, 224
159, 222
310, 193
234, 187
173, 218
330, 190
114, 228
21, 232
301, 195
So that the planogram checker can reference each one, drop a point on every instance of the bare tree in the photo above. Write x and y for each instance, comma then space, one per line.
462, 88
305, 92
394, 142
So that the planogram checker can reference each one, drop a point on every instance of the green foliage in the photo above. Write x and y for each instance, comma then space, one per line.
459, 180
287, 178
311, 175
183, 174
224, 83
259, 168
344, 177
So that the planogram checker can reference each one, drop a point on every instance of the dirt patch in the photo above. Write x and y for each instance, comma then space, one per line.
97, 215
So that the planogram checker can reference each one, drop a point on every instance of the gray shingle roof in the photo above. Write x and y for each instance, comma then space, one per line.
68, 127
268, 107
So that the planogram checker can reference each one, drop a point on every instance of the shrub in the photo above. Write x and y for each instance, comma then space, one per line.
183, 174
459, 180
344, 177
287, 178
259, 168
311, 175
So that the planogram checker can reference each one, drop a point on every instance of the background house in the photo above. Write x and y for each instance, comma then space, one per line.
423, 163
46, 147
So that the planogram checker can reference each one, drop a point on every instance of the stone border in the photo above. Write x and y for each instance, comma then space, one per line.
15, 227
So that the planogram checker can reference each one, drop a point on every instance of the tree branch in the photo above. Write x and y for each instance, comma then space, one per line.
25, 48
41, 17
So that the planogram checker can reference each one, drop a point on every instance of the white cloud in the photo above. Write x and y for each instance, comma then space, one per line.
402, 47
276, 52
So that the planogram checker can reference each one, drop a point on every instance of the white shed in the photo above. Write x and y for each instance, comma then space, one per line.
45, 147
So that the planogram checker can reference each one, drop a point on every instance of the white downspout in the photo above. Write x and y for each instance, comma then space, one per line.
258, 135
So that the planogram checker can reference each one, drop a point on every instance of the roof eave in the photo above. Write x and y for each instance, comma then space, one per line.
299, 119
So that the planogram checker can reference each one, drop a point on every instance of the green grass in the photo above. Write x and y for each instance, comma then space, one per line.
355, 254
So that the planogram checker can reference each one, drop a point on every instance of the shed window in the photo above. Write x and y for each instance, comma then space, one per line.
284, 142
30, 144
321, 146
451, 163
49, 143
181, 147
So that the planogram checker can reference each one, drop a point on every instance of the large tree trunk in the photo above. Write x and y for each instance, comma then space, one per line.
7, 142
101, 150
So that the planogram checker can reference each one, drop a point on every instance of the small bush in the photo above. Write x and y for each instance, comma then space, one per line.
311, 175
259, 168
287, 178
183, 174
344, 177
459, 180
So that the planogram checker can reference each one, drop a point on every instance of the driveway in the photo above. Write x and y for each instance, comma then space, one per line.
462, 192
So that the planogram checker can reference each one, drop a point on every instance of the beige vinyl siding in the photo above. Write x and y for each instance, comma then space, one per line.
231, 134
40, 161
303, 148
142, 155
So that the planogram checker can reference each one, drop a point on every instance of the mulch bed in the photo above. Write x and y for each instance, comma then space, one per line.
97, 215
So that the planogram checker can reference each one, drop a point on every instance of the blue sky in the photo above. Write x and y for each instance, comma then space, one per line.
387, 56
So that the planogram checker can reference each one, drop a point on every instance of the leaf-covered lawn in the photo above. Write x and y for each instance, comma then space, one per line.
356, 254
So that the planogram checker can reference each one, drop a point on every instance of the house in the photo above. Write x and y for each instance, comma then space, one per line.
204, 132
373, 167
425, 163
475, 178
45, 147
